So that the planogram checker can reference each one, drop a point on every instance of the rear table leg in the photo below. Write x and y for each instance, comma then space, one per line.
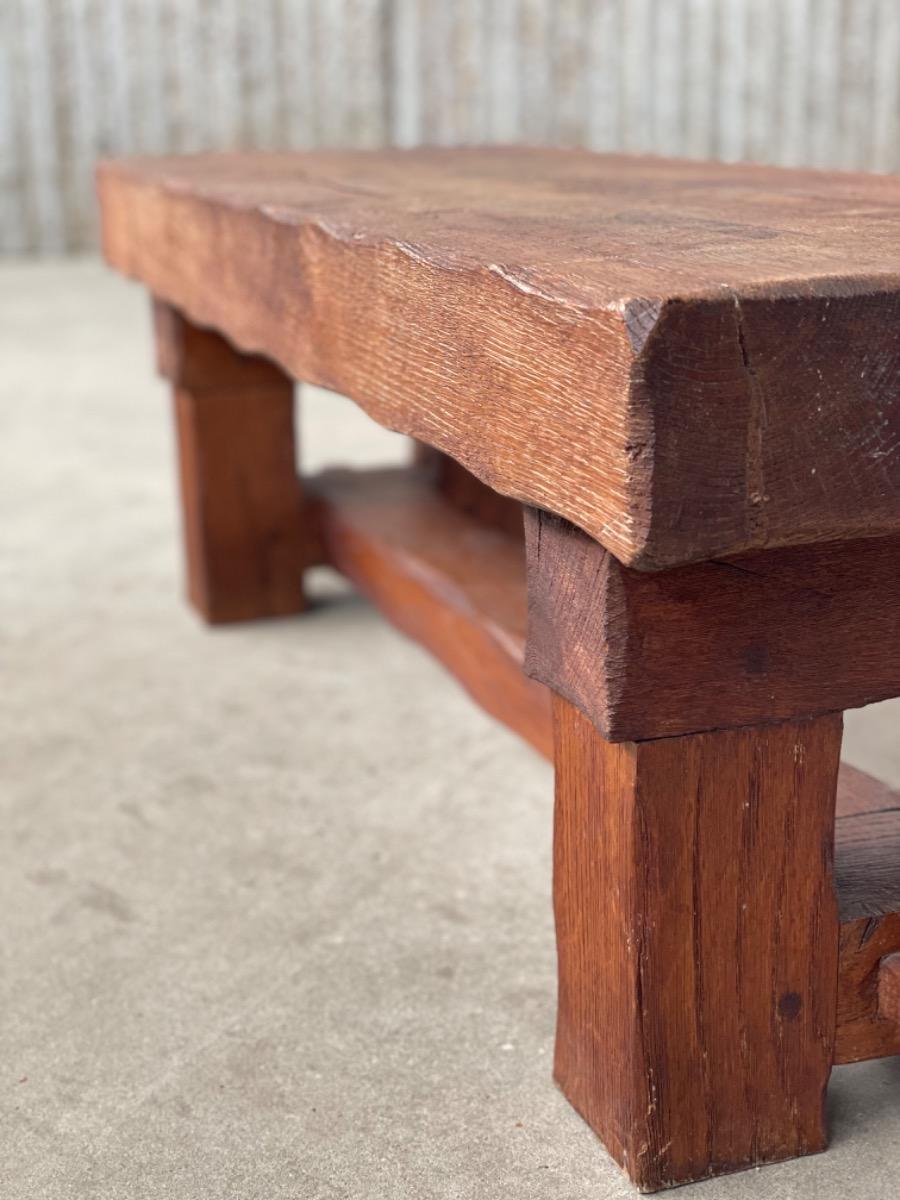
246, 540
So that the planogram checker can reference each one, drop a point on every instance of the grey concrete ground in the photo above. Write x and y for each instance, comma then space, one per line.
274, 899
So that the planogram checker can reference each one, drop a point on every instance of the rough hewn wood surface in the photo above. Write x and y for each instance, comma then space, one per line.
446, 579
697, 937
812, 84
245, 537
889, 989
867, 872
765, 637
686, 360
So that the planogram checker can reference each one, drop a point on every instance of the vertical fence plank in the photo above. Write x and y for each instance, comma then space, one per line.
667, 91
404, 86
886, 87
534, 71
118, 55
602, 83
331, 72
147, 74
39, 139
190, 75
501, 71
296, 73
61, 67
84, 114
732, 62
12, 216
219, 19
365, 99
824, 83
437, 30
259, 76
792, 81
857, 28
762, 67
568, 59
637, 75
700, 59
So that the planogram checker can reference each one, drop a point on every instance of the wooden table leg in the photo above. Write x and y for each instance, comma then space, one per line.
242, 502
697, 936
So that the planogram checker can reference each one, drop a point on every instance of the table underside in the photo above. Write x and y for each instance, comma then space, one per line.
447, 566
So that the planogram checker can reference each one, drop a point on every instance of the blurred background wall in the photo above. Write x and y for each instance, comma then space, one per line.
784, 81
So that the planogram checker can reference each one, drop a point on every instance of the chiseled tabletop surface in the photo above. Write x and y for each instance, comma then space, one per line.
687, 360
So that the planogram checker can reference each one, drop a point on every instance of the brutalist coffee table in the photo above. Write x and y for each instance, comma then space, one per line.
687, 377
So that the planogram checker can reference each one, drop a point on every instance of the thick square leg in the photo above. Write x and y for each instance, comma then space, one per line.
697, 936
242, 503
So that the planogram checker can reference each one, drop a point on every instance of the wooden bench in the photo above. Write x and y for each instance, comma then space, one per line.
687, 376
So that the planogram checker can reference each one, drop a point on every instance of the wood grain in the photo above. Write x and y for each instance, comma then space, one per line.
460, 488
889, 989
766, 637
245, 537
697, 938
686, 360
867, 872
446, 579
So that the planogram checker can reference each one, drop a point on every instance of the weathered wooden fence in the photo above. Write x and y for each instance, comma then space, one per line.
787, 81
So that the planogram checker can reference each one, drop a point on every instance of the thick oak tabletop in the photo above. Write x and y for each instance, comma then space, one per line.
687, 360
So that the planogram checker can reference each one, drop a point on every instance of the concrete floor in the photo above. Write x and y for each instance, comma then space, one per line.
275, 899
